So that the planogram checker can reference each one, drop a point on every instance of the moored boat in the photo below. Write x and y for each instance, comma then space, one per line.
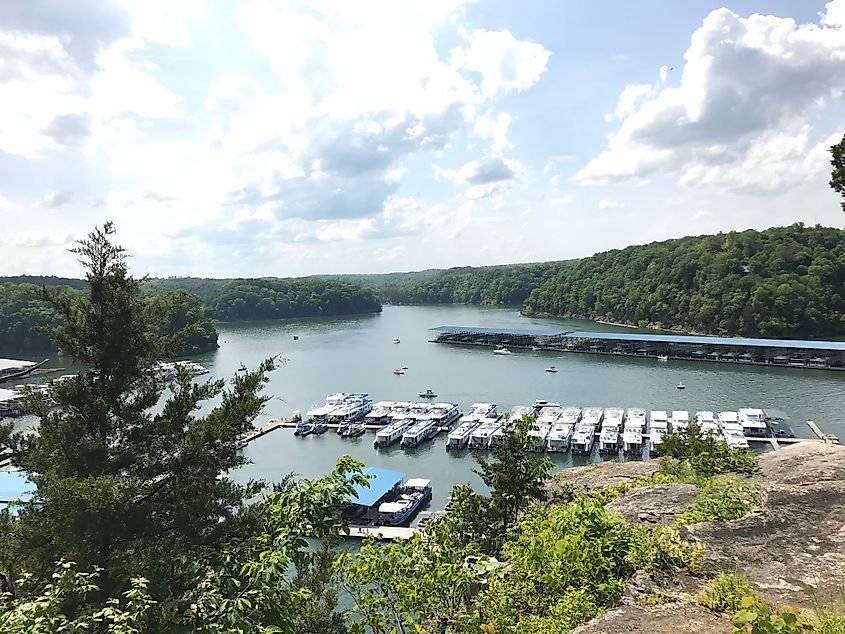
392, 433
400, 508
429, 393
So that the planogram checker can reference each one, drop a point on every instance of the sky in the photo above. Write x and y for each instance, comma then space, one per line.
284, 138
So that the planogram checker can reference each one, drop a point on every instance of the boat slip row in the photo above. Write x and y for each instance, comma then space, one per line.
555, 428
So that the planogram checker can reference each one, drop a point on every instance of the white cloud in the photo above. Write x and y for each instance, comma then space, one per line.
505, 63
54, 200
494, 129
749, 86
608, 204
487, 170
8, 205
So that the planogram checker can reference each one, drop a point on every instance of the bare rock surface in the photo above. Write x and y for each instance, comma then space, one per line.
792, 546
670, 618
655, 504
603, 474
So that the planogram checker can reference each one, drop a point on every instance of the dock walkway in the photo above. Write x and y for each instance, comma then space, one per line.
273, 425
382, 532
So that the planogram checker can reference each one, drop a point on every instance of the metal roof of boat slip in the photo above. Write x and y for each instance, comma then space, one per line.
746, 342
14, 485
381, 481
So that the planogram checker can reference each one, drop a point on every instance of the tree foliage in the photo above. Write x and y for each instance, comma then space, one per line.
506, 285
275, 298
837, 173
782, 282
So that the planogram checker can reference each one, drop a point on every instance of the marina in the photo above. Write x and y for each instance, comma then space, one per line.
791, 353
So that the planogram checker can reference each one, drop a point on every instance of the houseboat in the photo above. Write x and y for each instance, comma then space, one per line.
459, 437
392, 432
632, 441
582, 440
613, 417
592, 416
400, 508
444, 414
753, 421
660, 419
707, 423
539, 435
418, 433
729, 421
609, 441
635, 419
680, 420
658, 427
778, 424
559, 436
481, 435
380, 413
332, 403
735, 439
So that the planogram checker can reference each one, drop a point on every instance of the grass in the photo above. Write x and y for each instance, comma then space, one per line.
725, 593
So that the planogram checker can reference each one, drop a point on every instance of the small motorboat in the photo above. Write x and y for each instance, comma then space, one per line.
662, 357
535, 348
404, 367
552, 369
501, 350
321, 428
296, 337
681, 386
427, 394
398, 371
395, 339
303, 428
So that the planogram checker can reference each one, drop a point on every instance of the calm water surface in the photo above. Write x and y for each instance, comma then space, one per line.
357, 354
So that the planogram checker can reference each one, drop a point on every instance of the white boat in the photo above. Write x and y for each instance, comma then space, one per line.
501, 350
658, 418
559, 436
393, 432
552, 369
662, 357
680, 420
418, 433
477, 411
380, 414
353, 407
636, 419
609, 441
753, 421
571, 415
481, 435
707, 423
398, 371
613, 418
444, 414
420, 411
592, 416
632, 441
735, 439
321, 414
582, 440
681, 386
539, 434
427, 394
395, 339
459, 437
729, 421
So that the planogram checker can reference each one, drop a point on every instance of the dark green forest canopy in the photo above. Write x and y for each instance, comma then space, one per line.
781, 282
507, 285
22, 314
276, 298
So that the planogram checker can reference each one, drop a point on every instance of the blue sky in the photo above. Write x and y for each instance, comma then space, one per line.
268, 137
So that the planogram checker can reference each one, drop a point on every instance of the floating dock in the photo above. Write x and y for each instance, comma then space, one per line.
273, 425
790, 353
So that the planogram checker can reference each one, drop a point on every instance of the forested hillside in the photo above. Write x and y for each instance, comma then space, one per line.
379, 281
491, 286
22, 313
781, 282
242, 300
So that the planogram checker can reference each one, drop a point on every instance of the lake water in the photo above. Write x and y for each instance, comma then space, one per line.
357, 354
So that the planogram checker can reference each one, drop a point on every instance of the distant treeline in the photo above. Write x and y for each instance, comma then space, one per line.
508, 285
22, 314
275, 298
781, 282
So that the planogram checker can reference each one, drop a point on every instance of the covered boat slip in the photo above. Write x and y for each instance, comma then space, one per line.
783, 352
10, 368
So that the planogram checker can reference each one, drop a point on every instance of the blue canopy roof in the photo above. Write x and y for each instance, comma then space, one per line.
381, 481
15, 486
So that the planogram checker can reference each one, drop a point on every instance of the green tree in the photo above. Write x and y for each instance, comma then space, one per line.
837, 174
515, 479
127, 477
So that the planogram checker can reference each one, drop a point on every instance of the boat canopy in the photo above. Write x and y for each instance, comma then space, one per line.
380, 482
392, 507
417, 483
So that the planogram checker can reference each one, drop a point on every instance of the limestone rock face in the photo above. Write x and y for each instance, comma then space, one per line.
603, 474
671, 618
792, 546
656, 504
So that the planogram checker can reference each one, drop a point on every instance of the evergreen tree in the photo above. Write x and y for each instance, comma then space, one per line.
837, 174
125, 481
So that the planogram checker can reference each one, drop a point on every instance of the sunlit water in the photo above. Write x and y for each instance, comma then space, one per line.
357, 354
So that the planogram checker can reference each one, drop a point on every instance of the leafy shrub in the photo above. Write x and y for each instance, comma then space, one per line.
722, 500
831, 623
758, 617
705, 455
725, 593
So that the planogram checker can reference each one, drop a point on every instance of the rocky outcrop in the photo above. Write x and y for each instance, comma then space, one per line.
602, 474
655, 504
792, 545
670, 618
